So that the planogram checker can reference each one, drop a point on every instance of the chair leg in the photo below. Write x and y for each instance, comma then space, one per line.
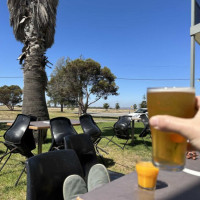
20, 176
145, 143
122, 147
6, 153
5, 161
143, 134
102, 150
101, 157
1, 158
30, 154
118, 145
97, 152
97, 147
110, 140
125, 144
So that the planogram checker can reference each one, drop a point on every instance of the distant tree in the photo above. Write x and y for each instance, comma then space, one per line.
135, 106
49, 103
80, 79
57, 88
117, 107
10, 95
86, 78
144, 102
106, 106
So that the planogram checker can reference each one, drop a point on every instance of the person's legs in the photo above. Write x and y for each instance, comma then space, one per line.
73, 186
98, 176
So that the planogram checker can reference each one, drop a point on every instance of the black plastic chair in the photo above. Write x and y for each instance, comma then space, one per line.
84, 148
18, 139
146, 130
122, 129
90, 127
60, 127
46, 174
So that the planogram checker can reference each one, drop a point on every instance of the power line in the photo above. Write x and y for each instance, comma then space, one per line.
155, 79
128, 79
11, 77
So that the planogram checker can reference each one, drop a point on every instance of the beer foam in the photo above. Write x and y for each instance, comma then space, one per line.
172, 89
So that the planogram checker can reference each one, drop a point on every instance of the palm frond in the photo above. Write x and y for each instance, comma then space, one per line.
44, 18
41, 13
18, 10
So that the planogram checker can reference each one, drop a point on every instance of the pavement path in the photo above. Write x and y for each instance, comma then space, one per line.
116, 115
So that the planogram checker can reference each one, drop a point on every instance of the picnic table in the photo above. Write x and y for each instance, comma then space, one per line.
43, 125
183, 185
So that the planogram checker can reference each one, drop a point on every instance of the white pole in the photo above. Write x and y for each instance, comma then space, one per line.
192, 70
192, 64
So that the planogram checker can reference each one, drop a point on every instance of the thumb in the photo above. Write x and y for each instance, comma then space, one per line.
172, 124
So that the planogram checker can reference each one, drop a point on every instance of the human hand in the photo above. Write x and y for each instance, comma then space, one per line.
189, 128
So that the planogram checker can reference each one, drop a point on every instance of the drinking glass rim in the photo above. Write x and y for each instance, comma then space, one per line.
173, 89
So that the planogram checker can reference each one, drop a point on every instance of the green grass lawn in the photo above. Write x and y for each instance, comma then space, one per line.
118, 160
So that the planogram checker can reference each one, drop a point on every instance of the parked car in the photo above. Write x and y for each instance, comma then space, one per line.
138, 112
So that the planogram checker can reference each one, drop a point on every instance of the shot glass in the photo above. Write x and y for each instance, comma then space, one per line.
147, 175
169, 148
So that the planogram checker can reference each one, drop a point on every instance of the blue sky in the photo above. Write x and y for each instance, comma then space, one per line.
136, 39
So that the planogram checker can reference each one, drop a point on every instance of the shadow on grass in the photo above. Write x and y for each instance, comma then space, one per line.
1, 152
107, 131
137, 131
136, 142
6, 172
106, 161
11, 168
139, 142
21, 183
48, 140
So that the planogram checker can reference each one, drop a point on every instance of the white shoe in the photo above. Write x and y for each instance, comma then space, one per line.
98, 176
74, 186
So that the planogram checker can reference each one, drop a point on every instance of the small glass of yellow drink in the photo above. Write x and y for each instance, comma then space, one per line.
147, 175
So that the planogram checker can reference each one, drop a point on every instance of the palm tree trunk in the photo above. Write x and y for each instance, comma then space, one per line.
34, 102
61, 107
35, 79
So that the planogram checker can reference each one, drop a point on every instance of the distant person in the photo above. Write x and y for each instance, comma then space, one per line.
189, 128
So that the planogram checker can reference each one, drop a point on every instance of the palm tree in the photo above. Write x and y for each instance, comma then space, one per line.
33, 23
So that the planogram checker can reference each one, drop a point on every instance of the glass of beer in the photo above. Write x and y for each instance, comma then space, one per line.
147, 175
169, 148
